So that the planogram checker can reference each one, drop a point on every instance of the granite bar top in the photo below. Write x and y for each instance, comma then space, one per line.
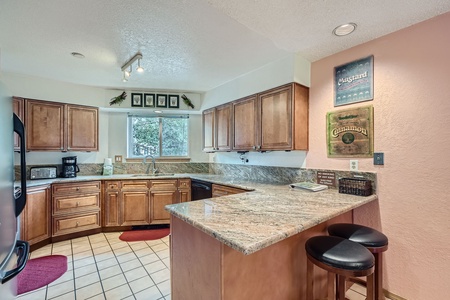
251, 221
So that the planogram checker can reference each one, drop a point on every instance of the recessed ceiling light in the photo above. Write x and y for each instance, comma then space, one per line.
344, 29
77, 55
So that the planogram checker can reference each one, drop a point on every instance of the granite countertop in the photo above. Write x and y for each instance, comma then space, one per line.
37, 182
251, 221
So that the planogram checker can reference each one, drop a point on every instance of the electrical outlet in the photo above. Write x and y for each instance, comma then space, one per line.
378, 158
353, 165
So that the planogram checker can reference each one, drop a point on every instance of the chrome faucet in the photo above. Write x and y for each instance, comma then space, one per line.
153, 165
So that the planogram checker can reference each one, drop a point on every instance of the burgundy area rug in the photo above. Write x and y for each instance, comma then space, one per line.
41, 271
144, 235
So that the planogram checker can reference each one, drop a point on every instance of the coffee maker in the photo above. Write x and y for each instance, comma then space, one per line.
69, 167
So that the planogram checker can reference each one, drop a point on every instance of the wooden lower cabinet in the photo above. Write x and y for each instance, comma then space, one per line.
36, 216
158, 200
135, 208
142, 202
162, 193
74, 223
76, 207
111, 208
221, 190
184, 190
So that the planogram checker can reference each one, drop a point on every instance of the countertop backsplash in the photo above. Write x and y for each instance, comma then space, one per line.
262, 174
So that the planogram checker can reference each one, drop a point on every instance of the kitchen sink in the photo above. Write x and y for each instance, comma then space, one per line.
153, 175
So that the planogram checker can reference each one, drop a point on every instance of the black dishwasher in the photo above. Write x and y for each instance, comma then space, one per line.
200, 190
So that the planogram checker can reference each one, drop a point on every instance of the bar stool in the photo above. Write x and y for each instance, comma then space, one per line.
375, 241
341, 258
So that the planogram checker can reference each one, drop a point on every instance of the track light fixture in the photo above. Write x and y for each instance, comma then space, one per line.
127, 67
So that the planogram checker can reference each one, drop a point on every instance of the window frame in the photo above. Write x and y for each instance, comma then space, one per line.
130, 143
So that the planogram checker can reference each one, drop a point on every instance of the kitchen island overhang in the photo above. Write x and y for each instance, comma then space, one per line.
251, 245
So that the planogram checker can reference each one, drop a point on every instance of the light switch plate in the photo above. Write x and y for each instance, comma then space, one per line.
118, 158
378, 158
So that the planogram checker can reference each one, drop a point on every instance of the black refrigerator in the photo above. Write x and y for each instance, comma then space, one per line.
13, 251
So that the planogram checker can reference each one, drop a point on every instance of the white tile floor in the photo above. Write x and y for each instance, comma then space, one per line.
101, 266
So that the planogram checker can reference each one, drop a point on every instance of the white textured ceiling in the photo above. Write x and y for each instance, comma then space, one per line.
187, 45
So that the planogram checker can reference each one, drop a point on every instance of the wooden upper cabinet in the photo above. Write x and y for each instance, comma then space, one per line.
217, 128
245, 123
19, 111
276, 119
223, 127
44, 125
82, 125
283, 118
54, 126
208, 130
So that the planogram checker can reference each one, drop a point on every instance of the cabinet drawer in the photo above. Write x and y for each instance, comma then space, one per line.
71, 224
76, 204
184, 183
112, 185
134, 184
164, 184
76, 187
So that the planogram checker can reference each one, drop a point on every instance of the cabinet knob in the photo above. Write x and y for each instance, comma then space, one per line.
77, 188
78, 223
78, 203
254, 147
62, 148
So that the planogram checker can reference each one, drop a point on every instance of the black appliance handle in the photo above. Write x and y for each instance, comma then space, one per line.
22, 199
78, 169
199, 185
23, 249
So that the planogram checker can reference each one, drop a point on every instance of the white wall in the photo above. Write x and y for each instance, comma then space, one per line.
290, 69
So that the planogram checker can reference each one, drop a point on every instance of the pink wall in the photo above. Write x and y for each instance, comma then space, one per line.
412, 127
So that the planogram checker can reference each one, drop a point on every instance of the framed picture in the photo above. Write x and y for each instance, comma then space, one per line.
136, 100
174, 101
149, 100
350, 132
161, 100
353, 82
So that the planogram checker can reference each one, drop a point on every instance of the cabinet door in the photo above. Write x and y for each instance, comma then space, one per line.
82, 127
208, 131
18, 110
111, 209
158, 200
44, 125
276, 108
223, 127
185, 195
245, 122
35, 218
135, 208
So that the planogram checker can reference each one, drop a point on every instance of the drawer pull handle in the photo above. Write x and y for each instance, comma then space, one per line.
78, 223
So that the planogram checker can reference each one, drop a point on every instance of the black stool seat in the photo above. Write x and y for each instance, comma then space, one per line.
366, 236
339, 253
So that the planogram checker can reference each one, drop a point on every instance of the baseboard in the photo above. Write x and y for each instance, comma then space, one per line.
386, 293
